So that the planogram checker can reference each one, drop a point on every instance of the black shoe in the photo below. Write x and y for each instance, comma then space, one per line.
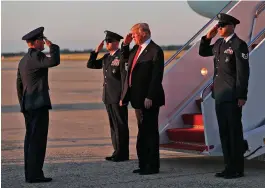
120, 158
234, 175
39, 180
137, 170
149, 171
220, 174
109, 158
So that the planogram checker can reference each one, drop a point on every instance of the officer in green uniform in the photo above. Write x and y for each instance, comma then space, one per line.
114, 72
230, 88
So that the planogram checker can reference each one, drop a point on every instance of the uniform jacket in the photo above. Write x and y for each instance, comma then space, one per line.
32, 78
114, 74
231, 67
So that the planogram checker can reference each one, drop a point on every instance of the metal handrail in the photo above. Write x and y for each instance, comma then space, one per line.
249, 45
260, 7
257, 37
196, 35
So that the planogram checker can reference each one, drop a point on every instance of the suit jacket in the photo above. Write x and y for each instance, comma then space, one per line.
231, 68
32, 78
147, 76
114, 75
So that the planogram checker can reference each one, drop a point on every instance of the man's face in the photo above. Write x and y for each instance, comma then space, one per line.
225, 30
39, 44
111, 44
137, 37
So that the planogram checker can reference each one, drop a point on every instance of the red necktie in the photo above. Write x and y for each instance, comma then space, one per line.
133, 64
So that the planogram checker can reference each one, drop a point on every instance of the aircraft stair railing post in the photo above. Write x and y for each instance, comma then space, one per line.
260, 8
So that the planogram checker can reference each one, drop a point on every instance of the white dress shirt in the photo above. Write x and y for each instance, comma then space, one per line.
113, 52
229, 37
144, 46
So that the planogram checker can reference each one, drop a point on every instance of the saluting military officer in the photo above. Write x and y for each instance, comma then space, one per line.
231, 75
114, 72
34, 99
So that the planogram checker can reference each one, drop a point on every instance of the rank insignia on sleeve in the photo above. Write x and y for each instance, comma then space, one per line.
245, 56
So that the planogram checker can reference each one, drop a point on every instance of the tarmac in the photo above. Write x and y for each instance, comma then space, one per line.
79, 140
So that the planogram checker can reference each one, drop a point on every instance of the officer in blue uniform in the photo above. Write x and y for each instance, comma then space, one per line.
114, 72
231, 75
34, 99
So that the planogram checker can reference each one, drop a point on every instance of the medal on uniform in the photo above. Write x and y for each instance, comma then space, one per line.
226, 59
113, 71
115, 62
229, 51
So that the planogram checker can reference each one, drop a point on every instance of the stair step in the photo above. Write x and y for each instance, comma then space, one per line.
192, 119
186, 135
184, 146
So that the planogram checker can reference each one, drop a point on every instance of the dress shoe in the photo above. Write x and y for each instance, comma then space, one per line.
109, 158
149, 171
119, 159
233, 175
220, 174
39, 180
137, 170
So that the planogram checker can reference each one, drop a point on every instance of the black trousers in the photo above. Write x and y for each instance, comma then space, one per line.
37, 122
231, 135
148, 138
118, 119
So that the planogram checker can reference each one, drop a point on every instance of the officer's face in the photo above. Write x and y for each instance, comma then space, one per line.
39, 44
112, 45
225, 30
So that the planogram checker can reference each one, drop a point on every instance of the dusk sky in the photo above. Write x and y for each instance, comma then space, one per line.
80, 25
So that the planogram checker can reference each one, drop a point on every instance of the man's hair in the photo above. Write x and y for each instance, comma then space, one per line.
31, 42
142, 28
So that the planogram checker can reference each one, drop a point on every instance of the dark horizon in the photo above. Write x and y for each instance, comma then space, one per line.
69, 51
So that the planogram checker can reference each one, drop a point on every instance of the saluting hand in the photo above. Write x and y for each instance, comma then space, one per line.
47, 42
128, 39
147, 103
212, 33
100, 46
241, 102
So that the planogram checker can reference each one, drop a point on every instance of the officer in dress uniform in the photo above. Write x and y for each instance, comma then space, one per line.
230, 88
114, 72
34, 99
